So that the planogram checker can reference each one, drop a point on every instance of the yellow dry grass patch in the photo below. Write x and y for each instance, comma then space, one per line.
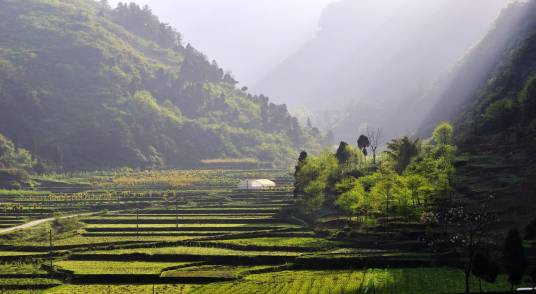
167, 179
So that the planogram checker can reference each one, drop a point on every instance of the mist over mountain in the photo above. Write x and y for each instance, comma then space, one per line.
246, 37
485, 65
373, 62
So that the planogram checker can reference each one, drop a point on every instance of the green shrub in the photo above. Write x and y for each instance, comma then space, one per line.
13, 178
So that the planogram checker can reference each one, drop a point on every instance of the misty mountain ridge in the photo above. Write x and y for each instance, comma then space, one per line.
371, 65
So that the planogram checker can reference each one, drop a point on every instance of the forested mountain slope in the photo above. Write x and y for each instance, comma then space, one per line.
497, 127
83, 86
490, 58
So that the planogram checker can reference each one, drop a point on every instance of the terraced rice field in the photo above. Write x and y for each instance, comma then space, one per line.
115, 267
203, 238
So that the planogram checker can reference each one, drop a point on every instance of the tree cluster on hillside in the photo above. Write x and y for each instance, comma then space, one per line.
12, 156
410, 177
142, 22
412, 181
507, 106
15, 163
85, 86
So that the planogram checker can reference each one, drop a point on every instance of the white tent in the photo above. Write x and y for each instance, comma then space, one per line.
259, 184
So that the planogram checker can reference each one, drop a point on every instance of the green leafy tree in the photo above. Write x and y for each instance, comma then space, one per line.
352, 198
314, 195
354, 163
313, 177
385, 190
301, 161
436, 163
13, 157
402, 151
443, 134
419, 188
514, 258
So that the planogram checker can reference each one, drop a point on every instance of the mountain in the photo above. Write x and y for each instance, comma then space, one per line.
492, 100
84, 86
488, 60
373, 62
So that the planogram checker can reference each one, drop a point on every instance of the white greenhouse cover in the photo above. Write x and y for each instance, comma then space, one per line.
258, 184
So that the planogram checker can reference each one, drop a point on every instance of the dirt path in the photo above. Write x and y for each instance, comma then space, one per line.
39, 221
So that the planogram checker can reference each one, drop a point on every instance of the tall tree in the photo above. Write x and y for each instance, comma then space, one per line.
375, 141
402, 151
465, 231
530, 230
485, 268
301, 161
352, 200
443, 134
514, 258
533, 278
343, 153
313, 177
384, 190
363, 143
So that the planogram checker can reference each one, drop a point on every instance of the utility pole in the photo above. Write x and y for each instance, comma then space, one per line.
138, 222
50, 245
177, 212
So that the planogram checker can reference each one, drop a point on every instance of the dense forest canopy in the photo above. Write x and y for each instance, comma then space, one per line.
84, 86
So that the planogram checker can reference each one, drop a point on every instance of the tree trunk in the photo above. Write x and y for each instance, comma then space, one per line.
480, 284
467, 275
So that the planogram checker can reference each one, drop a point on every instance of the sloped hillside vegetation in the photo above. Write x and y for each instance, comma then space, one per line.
84, 86
497, 128
15, 163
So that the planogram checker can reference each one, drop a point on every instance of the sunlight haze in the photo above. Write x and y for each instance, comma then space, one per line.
246, 37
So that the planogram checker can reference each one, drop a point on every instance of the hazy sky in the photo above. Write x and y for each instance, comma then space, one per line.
248, 37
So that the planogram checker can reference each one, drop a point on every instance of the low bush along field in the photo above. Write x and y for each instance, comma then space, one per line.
29, 282
79, 240
180, 250
120, 289
213, 271
283, 242
120, 217
21, 268
203, 225
26, 280
19, 253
